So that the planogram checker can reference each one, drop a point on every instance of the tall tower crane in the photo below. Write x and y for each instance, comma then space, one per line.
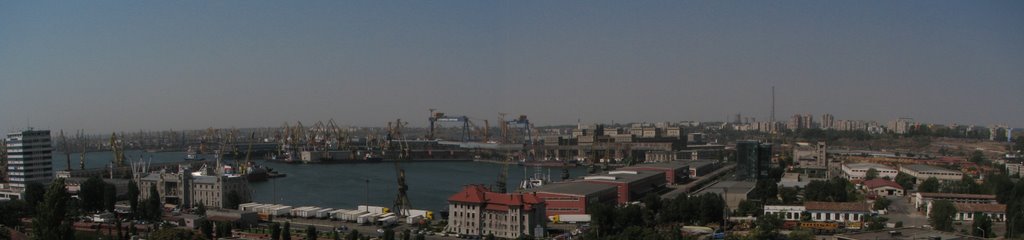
67, 151
402, 204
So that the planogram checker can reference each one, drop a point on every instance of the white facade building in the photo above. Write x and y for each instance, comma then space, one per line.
786, 213
853, 171
923, 172
29, 157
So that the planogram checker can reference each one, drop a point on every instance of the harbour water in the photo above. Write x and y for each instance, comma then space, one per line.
348, 185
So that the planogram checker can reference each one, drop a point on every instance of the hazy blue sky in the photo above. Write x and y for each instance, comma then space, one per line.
129, 65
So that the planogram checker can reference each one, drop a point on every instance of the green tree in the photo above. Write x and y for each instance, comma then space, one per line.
286, 234
51, 221
905, 180
13, 210
789, 195
172, 234
877, 223
311, 233
353, 235
767, 227
942, 214
406, 234
109, 197
420, 237
133, 197
982, 226
91, 193
233, 200
275, 231
871, 174
652, 202
5, 234
929, 185
200, 209
206, 227
153, 211
389, 234
977, 156
34, 194
882, 203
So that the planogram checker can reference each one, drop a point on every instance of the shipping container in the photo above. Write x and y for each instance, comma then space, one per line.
367, 218
324, 213
373, 209
413, 219
388, 221
570, 218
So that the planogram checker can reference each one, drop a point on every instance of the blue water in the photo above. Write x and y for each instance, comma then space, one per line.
345, 185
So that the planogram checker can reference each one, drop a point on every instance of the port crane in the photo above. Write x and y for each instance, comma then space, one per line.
440, 117
67, 151
116, 145
504, 127
402, 204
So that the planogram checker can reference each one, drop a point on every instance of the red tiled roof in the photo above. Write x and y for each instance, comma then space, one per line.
877, 183
957, 195
838, 206
980, 207
495, 201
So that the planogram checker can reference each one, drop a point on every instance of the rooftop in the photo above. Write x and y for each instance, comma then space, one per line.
701, 162
868, 166
494, 201
670, 165
622, 176
957, 195
838, 206
927, 168
878, 182
980, 207
575, 188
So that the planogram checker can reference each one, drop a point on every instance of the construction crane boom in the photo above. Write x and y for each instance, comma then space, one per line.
402, 204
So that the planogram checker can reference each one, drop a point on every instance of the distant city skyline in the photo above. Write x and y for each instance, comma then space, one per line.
132, 66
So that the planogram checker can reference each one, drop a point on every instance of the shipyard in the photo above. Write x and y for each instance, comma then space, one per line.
515, 120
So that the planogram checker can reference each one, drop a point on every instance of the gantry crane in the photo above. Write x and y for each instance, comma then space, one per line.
402, 204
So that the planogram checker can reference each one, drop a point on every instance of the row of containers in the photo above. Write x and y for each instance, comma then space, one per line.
362, 214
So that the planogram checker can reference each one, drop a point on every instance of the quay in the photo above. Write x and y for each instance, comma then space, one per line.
127, 170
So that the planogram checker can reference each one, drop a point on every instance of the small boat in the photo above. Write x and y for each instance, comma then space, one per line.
192, 155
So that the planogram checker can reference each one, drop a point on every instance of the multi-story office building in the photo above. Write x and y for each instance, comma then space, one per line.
753, 160
29, 156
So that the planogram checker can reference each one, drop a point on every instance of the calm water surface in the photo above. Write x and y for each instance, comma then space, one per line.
345, 185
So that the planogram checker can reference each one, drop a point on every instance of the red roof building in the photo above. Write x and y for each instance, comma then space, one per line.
476, 211
882, 187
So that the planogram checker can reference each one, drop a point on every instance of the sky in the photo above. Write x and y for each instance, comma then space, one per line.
105, 66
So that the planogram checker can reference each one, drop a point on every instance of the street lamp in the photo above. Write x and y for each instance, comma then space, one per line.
983, 233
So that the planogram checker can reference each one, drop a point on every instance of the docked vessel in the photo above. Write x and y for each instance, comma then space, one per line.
192, 155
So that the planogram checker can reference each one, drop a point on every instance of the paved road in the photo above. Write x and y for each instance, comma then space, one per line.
903, 210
